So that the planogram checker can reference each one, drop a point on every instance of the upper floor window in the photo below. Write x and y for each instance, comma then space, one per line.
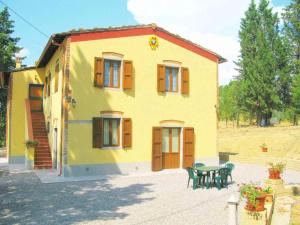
56, 75
171, 79
112, 73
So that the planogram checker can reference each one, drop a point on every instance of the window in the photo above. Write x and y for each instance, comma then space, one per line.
169, 79
170, 140
49, 84
112, 73
56, 76
45, 87
111, 132
172, 79
107, 132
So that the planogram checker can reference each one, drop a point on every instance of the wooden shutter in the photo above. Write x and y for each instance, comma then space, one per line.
49, 85
185, 84
56, 77
45, 87
99, 72
188, 147
97, 132
156, 148
161, 78
127, 132
127, 74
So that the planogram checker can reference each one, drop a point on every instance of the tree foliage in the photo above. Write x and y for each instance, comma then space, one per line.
8, 48
263, 65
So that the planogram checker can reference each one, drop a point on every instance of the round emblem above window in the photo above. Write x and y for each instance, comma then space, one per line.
153, 42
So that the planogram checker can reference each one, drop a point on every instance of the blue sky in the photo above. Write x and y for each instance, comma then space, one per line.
53, 16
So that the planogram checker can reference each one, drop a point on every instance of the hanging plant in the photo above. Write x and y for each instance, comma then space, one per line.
31, 143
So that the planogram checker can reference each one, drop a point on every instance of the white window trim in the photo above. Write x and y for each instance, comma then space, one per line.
116, 57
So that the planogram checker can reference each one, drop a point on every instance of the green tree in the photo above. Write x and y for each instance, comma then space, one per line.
229, 107
291, 31
258, 62
296, 98
8, 48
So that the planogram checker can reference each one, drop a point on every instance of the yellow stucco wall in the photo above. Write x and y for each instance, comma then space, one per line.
21, 81
143, 103
52, 104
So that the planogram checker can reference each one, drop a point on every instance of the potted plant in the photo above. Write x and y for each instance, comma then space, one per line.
255, 196
264, 147
275, 169
31, 143
269, 194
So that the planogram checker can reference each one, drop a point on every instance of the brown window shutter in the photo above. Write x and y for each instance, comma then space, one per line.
161, 80
127, 74
99, 72
127, 132
156, 148
97, 132
45, 87
56, 77
188, 147
49, 85
185, 82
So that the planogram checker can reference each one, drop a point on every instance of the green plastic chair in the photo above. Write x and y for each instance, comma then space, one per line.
198, 164
222, 178
200, 174
230, 167
194, 177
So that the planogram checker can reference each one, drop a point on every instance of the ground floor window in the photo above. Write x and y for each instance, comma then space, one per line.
111, 132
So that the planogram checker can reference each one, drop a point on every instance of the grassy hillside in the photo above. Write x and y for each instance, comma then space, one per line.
283, 142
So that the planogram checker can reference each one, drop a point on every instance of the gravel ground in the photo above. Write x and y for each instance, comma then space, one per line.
152, 200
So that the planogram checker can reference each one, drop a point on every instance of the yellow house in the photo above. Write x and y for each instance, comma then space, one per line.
115, 100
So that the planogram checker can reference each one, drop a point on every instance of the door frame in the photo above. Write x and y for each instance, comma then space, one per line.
36, 98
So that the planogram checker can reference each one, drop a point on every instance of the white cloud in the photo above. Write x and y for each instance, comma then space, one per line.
214, 24
24, 52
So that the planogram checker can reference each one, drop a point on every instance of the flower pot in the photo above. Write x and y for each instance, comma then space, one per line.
274, 174
269, 198
264, 149
260, 204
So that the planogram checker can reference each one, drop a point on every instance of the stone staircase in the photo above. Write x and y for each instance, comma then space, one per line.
42, 154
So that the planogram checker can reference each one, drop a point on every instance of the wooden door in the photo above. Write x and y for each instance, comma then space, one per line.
36, 97
171, 148
156, 148
188, 147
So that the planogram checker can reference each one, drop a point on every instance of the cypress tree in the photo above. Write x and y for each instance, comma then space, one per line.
258, 62
8, 48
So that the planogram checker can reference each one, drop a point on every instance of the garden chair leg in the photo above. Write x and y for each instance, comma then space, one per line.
218, 183
188, 182
195, 181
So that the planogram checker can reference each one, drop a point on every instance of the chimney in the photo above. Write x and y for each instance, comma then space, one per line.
18, 63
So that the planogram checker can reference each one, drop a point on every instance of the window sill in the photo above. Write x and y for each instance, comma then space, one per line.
172, 92
113, 89
111, 148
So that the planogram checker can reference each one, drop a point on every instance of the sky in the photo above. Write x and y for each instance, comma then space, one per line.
213, 24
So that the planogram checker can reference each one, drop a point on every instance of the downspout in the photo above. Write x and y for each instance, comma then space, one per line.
64, 103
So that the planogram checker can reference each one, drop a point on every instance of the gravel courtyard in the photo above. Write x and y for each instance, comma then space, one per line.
159, 198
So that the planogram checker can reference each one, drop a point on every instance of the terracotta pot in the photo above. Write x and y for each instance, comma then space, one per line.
260, 204
264, 149
269, 198
274, 174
